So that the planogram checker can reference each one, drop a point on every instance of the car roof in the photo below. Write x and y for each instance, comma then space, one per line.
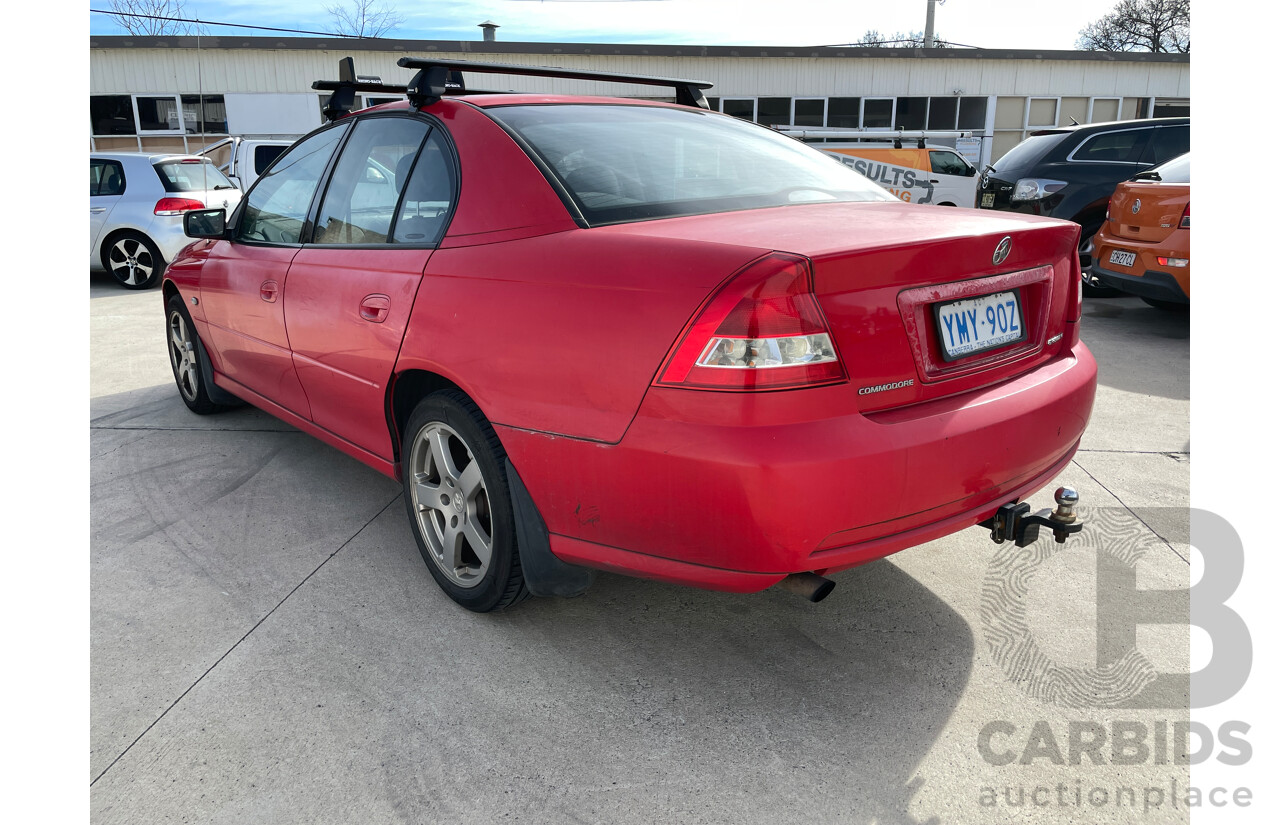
1090, 128
147, 156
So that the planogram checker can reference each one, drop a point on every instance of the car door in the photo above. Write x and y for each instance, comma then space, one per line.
955, 180
106, 188
243, 282
351, 289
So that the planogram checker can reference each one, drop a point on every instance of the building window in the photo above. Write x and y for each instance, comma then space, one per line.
877, 113
1105, 110
773, 111
811, 112
942, 113
157, 114
111, 115
842, 112
1042, 111
912, 112
204, 114
744, 108
973, 113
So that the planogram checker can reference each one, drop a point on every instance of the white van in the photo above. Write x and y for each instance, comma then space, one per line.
930, 174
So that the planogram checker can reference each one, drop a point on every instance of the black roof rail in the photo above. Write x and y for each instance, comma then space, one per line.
434, 77
343, 99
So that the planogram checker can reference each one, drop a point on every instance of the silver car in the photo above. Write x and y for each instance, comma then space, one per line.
136, 203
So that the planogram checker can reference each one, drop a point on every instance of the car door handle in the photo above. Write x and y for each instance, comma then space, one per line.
268, 291
375, 308
97, 210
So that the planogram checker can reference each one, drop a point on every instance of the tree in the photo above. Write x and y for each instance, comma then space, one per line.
363, 18
910, 40
1141, 26
147, 17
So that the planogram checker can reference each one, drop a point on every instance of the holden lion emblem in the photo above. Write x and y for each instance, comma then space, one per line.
1002, 250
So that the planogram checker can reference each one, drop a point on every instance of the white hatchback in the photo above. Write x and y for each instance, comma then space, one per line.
136, 203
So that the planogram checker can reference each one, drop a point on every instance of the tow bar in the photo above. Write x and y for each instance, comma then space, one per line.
1014, 522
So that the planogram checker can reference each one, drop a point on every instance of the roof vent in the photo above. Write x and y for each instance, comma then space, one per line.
490, 31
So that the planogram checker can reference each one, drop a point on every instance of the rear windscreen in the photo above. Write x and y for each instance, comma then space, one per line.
1177, 170
191, 176
622, 163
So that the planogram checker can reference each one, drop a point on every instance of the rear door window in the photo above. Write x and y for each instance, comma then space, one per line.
106, 177
1167, 142
368, 180
263, 155
1124, 146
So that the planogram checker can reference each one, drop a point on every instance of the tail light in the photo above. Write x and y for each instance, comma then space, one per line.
1186, 217
763, 330
176, 206
1075, 305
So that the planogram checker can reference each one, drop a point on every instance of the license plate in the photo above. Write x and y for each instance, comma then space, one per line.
1119, 256
977, 324
988, 200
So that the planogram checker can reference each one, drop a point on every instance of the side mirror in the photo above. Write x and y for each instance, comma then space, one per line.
205, 223
973, 170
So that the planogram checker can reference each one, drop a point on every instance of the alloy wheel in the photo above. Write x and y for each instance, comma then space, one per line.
182, 356
131, 262
451, 504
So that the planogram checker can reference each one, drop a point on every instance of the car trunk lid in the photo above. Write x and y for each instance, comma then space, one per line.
1147, 211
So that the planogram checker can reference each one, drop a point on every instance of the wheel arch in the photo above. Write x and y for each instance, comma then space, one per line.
406, 390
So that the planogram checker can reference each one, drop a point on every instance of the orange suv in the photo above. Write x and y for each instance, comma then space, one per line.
1144, 247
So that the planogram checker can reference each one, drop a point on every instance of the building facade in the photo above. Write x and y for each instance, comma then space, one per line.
182, 93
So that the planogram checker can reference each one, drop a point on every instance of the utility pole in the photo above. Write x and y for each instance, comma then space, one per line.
928, 25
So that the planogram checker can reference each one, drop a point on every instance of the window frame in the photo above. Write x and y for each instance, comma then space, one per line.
451, 156
893, 114
796, 100
1071, 157
124, 181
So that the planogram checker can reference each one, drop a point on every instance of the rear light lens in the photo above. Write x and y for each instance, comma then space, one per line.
763, 330
176, 206
1176, 263
1186, 217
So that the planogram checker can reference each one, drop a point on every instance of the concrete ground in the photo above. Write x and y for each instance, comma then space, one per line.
268, 646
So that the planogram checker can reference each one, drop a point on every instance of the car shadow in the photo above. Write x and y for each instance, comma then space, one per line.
1139, 348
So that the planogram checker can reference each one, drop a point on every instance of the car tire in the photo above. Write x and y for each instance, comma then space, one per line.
459, 503
188, 359
1092, 287
133, 260
1167, 306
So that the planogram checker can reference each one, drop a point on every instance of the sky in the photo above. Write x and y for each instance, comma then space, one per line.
990, 24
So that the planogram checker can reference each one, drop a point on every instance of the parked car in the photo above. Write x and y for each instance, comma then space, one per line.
591, 333
1070, 172
924, 174
1144, 247
136, 204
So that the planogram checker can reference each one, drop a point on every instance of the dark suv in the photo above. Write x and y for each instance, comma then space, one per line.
1070, 173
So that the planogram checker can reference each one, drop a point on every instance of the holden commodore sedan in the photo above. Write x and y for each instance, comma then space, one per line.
591, 333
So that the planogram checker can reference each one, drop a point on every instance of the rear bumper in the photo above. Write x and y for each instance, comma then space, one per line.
1146, 278
1160, 286
735, 491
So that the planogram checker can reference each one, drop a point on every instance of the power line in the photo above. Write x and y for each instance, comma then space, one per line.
232, 25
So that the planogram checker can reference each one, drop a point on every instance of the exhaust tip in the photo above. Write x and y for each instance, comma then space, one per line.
811, 586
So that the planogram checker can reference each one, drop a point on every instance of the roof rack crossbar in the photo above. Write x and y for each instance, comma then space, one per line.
428, 86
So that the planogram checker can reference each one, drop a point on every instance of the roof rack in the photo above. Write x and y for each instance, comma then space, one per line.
434, 75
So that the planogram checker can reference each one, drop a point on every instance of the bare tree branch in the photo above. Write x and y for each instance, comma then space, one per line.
363, 18
1141, 26
146, 17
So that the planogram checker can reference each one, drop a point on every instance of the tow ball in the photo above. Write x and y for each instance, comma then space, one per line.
1015, 522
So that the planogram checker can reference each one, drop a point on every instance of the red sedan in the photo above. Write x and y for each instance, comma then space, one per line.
631, 336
